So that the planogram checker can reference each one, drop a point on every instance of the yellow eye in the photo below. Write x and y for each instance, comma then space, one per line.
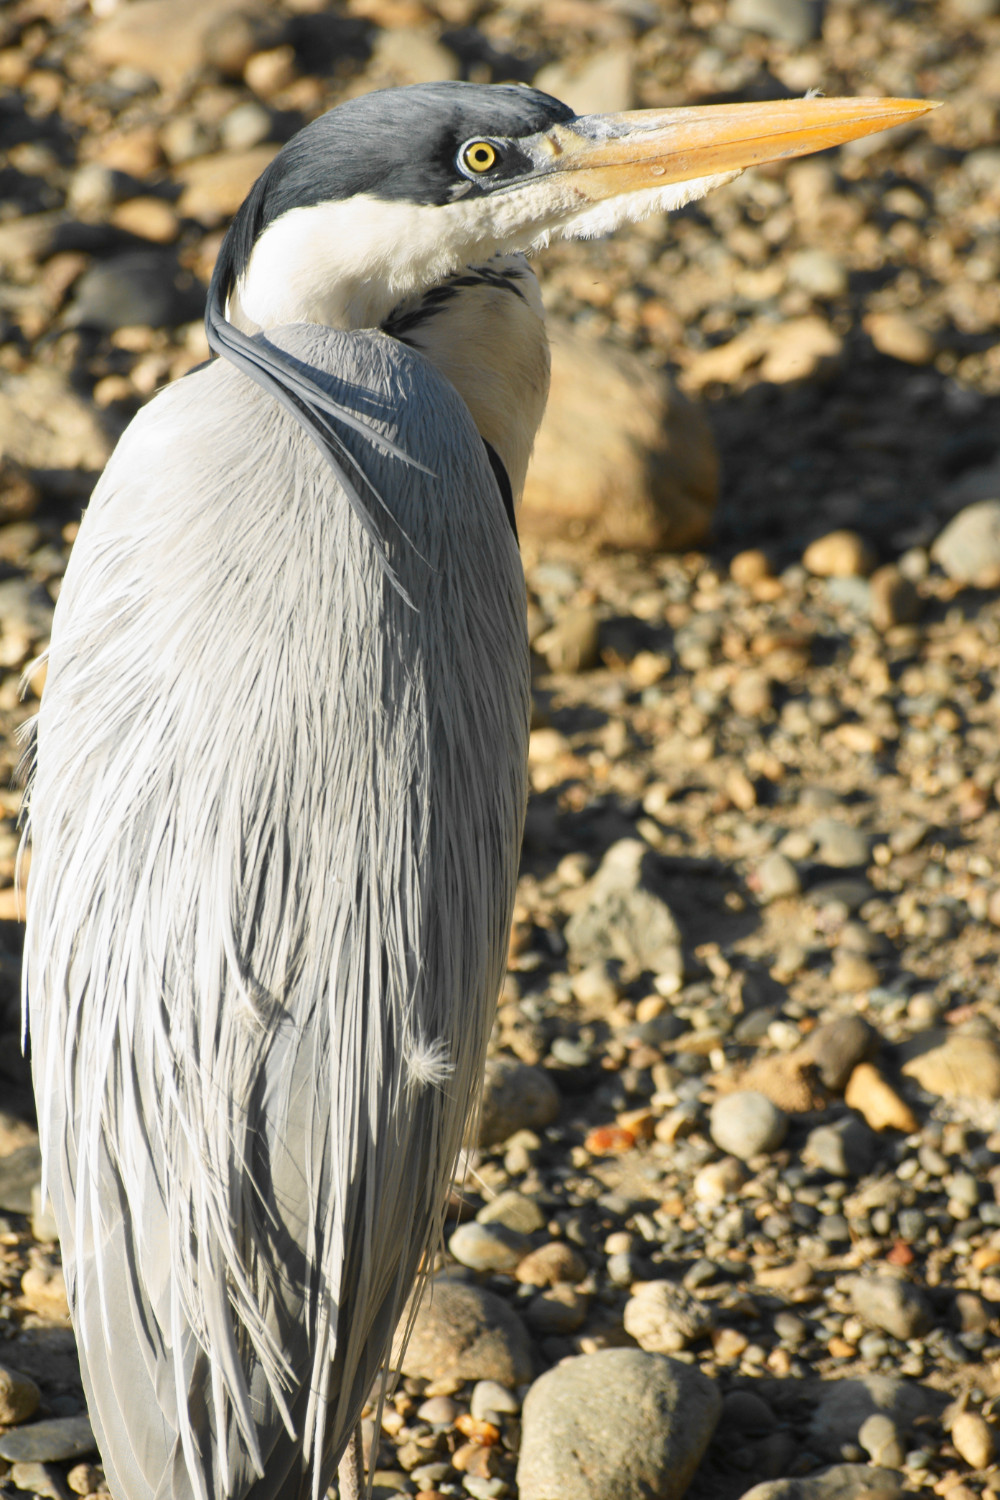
479, 156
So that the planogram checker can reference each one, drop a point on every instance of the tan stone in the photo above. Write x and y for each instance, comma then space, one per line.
900, 337
973, 1438
164, 38
151, 218
839, 554
962, 1066
877, 1102
622, 457
44, 424
43, 1291
787, 1079
215, 186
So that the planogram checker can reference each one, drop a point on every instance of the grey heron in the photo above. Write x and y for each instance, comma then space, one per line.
279, 765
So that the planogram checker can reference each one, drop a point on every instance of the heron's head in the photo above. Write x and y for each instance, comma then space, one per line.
391, 192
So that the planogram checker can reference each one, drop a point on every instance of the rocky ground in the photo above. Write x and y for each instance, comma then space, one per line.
734, 1220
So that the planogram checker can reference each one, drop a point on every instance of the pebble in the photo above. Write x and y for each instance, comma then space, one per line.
43, 1289
836, 1048
615, 1425
624, 915
559, 1310
818, 272
516, 1096
19, 1397
900, 337
897, 1307
488, 1247
894, 599
839, 844
839, 554
792, 21
51, 1441
843, 1406
851, 974
968, 549
571, 645
40, 1479
746, 1123
776, 879
844, 1149
489, 1399
465, 1332
439, 1411
879, 1438
973, 1439
514, 1211
664, 1318
718, 1180
550, 1264
877, 1101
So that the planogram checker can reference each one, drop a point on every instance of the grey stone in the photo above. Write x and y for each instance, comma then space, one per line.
617, 1425
664, 1318
464, 1332
842, 1482
49, 1442
489, 1398
818, 272
836, 1049
516, 1096
897, 1307
794, 21
968, 549
746, 1123
20, 1171
488, 1247
843, 1406
844, 1149
624, 914
140, 287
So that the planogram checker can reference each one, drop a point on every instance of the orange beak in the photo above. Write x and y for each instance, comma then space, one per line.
647, 148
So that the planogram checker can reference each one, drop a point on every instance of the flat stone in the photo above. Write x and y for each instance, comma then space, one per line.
839, 554
464, 1332
877, 1101
215, 186
617, 1425
893, 599
842, 1482
880, 1439
624, 914
40, 1479
51, 1441
552, 1263
746, 1124
139, 288
776, 878
897, 1307
601, 83
516, 1096
962, 1066
900, 337
489, 1399
570, 645
559, 1309
843, 1406
167, 39
839, 844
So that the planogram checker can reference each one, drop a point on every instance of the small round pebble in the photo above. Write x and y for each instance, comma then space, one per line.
973, 1438
488, 1247
745, 1124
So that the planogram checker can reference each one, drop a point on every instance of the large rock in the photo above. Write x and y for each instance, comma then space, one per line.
621, 457
961, 1066
898, 1307
44, 424
623, 914
462, 1332
215, 186
617, 1425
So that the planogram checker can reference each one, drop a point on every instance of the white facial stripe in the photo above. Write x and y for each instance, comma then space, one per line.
347, 264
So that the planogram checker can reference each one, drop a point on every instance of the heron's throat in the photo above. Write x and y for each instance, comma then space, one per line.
483, 329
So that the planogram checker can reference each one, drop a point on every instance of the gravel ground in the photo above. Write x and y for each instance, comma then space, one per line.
739, 1169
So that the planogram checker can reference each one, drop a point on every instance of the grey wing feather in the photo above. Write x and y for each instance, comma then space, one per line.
275, 818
